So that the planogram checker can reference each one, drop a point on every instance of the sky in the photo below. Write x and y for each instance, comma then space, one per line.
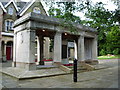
109, 5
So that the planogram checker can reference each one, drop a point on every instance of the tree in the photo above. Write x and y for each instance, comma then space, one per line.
65, 11
106, 22
113, 40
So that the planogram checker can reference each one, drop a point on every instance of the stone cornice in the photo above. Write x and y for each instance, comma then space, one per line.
49, 20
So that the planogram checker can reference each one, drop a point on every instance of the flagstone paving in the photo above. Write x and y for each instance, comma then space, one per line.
102, 78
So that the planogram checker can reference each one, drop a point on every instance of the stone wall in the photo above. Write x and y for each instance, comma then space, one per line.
1, 19
36, 4
9, 17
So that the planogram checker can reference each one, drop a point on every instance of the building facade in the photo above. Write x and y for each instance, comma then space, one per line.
9, 12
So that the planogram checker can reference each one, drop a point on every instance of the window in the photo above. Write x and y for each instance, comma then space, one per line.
36, 10
10, 11
8, 25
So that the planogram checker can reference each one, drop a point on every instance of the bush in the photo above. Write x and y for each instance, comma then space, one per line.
116, 51
102, 52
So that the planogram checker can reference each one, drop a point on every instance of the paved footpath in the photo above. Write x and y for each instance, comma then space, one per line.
103, 78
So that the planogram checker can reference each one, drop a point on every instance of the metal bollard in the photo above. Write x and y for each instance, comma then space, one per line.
75, 70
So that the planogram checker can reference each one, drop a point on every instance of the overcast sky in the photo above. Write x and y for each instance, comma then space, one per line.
109, 5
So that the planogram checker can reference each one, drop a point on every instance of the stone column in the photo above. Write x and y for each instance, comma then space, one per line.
1, 24
5, 45
4, 53
81, 52
14, 50
46, 47
0, 50
40, 50
24, 55
57, 47
94, 48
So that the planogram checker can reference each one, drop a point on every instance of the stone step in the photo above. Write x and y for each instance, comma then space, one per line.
21, 74
73, 66
83, 68
97, 67
78, 68
78, 71
45, 66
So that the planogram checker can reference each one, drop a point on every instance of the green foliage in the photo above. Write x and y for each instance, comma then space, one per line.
51, 45
106, 22
65, 11
102, 52
113, 40
116, 51
69, 26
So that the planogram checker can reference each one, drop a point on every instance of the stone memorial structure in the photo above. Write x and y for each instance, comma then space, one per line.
32, 25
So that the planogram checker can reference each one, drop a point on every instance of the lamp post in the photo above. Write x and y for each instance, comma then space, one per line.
75, 63
75, 70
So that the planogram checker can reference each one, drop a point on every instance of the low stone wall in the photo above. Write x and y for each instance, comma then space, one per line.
66, 69
92, 62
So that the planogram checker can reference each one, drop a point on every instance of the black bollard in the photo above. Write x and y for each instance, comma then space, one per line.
75, 70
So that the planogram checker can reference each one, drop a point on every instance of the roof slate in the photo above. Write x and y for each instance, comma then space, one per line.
24, 7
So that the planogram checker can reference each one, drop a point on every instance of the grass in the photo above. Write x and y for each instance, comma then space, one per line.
109, 57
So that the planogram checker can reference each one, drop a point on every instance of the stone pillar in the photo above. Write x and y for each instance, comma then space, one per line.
81, 52
46, 47
5, 45
14, 50
24, 49
94, 48
4, 52
0, 50
57, 47
40, 50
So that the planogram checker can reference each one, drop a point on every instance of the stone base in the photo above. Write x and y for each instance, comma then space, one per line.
66, 69
48, 63
92, 62
57, 64
81, 61
26, 66
25, 74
